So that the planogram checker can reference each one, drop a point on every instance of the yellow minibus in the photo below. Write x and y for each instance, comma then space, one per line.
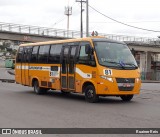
94, 66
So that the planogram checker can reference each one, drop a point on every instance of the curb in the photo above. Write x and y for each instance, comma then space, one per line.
11, 73
150, 81
8, 80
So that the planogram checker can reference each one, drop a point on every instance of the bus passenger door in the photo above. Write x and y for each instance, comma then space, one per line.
68, 68
64, 68
71, 68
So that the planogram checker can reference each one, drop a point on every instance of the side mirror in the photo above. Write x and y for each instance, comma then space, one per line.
88, 49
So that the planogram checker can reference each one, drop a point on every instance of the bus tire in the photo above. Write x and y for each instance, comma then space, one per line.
38, 90
126, 98
90, 94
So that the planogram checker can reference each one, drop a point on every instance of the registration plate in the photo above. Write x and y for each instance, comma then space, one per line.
126, 85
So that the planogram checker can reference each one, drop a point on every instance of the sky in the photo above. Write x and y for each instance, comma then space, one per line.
50, 13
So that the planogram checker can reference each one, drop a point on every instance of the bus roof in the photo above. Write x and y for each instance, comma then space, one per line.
94, 38
107, 40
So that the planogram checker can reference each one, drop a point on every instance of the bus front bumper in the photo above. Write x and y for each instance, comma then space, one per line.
120, 87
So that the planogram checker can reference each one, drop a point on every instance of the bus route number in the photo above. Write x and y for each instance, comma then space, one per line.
108, 72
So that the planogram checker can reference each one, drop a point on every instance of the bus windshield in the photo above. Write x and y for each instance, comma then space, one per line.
114, 55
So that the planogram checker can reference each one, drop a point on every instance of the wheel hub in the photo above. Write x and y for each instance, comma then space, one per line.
90, 93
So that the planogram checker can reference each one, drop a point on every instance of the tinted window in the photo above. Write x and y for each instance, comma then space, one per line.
34, 54
24, 54
85, 58
65, 60
71, 60
29, 52
43, 54
19, 55
54, 56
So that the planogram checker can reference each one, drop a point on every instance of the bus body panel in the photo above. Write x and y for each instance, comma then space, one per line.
85, 74
106, 87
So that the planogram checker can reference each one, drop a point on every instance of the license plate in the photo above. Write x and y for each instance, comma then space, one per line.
126, 85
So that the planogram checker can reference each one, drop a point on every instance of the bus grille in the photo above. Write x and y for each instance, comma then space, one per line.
125, 84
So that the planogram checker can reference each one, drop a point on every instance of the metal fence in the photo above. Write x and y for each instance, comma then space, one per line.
36, 30
150, 76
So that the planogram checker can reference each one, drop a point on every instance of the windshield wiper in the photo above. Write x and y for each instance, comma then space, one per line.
113, 62
131, 64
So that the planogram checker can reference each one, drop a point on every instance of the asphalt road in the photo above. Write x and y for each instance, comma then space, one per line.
5, 75
21, 107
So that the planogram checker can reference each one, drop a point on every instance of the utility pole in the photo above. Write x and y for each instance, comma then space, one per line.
87, 19
81, 20
68, 12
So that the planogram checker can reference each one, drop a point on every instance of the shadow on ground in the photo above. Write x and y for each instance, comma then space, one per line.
76, 97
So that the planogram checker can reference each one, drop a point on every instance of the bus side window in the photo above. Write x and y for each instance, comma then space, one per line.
43, 54
54, 55
85, 58
72, 60
19, 55
24, 55
29, 52
34, 54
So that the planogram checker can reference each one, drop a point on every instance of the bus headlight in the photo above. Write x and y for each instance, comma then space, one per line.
107, 78
138, 79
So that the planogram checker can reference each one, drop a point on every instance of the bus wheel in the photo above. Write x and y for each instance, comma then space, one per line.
126, 97
38, 90
90, 94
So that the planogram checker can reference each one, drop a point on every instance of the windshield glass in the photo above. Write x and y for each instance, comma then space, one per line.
115, 55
